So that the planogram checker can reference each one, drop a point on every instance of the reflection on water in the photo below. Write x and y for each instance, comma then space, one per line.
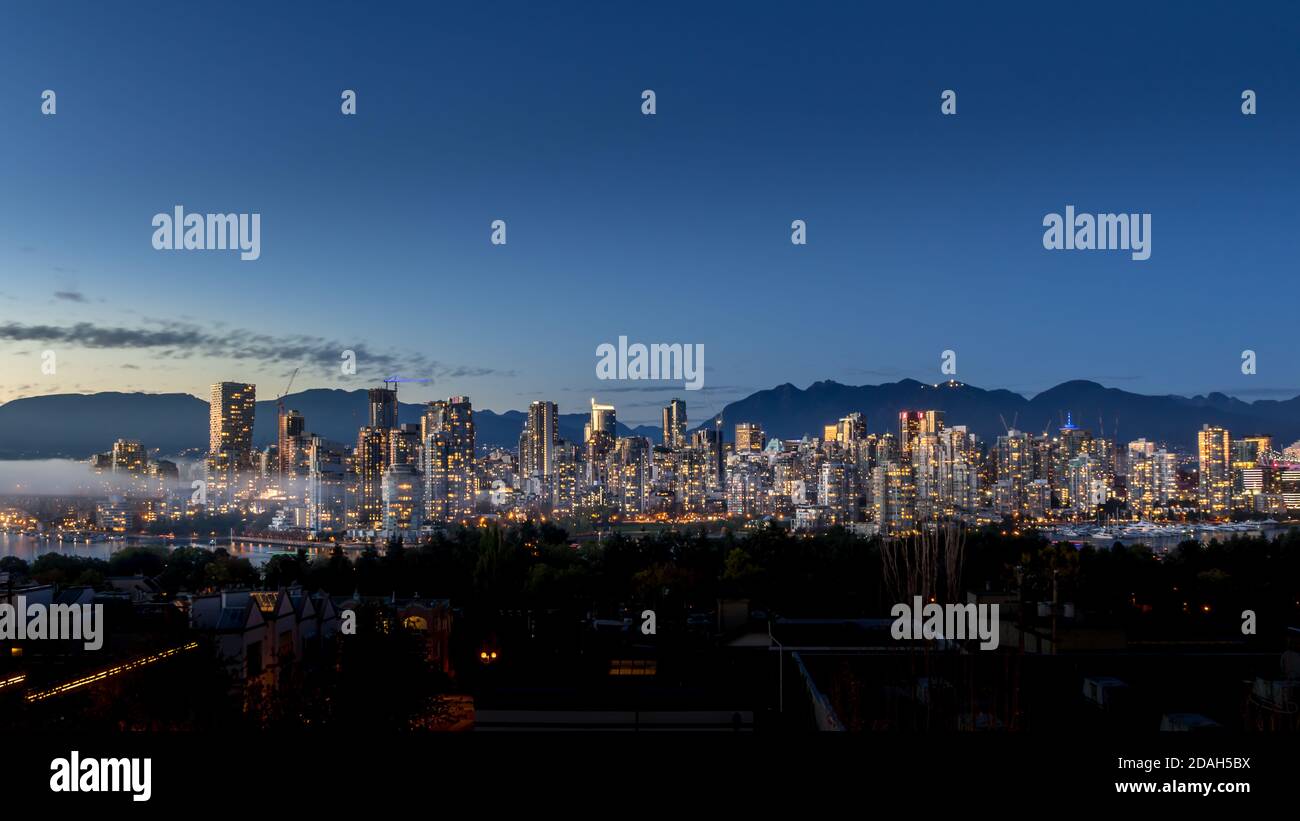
28, 548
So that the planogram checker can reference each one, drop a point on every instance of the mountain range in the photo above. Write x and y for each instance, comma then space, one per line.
77, 425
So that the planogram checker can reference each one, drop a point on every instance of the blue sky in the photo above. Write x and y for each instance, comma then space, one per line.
924, 231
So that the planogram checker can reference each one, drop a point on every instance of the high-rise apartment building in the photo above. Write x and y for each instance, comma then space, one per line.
230, 422
129, 457
369, 461
289, 442
448, 460
538, 442
674, 424
1214, 454
383, 408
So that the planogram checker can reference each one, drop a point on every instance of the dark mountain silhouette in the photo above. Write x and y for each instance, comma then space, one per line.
77, 425
788, 412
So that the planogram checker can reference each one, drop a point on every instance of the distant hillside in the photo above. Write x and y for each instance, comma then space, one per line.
788, 412
77, 425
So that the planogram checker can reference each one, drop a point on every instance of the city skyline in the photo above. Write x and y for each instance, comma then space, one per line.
375, 228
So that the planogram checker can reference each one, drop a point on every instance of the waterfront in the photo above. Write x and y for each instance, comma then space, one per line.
1165, 538
29, 547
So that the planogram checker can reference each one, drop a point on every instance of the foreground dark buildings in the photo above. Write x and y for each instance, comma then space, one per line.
518, 629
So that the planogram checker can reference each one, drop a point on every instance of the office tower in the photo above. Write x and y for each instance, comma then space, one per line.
369, 461
1214, 453
749, 438
912, 424
674, 419
326, 486
383, 408
851, 428
538, 441
289, 442
230, 423
403, 497
129, 457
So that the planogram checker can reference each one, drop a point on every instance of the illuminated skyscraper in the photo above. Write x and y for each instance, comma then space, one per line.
289, 441
1014, 457
602, 420
461, 486
383, 408
230, 441
912, 424
749, 437
538, 441
1215, 489
403, 497
230, 423
370, 460
708, 442
630, 473
851, 428
435, 414
129, 457
837, 491
674, 418
326, 486
894, 497
404, 445
600, 435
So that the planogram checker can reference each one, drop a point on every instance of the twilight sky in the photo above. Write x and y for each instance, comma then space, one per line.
924, 231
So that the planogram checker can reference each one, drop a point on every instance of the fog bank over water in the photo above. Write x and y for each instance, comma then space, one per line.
63, 477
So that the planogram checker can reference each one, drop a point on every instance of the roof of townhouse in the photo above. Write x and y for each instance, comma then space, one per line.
268, 601
75, 595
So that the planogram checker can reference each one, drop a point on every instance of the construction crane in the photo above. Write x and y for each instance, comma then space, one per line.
1008, 428
280, 443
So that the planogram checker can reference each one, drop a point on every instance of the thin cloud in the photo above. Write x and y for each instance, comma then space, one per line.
70, 296
176, 340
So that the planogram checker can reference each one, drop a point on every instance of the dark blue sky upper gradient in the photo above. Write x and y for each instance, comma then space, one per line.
924, 231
